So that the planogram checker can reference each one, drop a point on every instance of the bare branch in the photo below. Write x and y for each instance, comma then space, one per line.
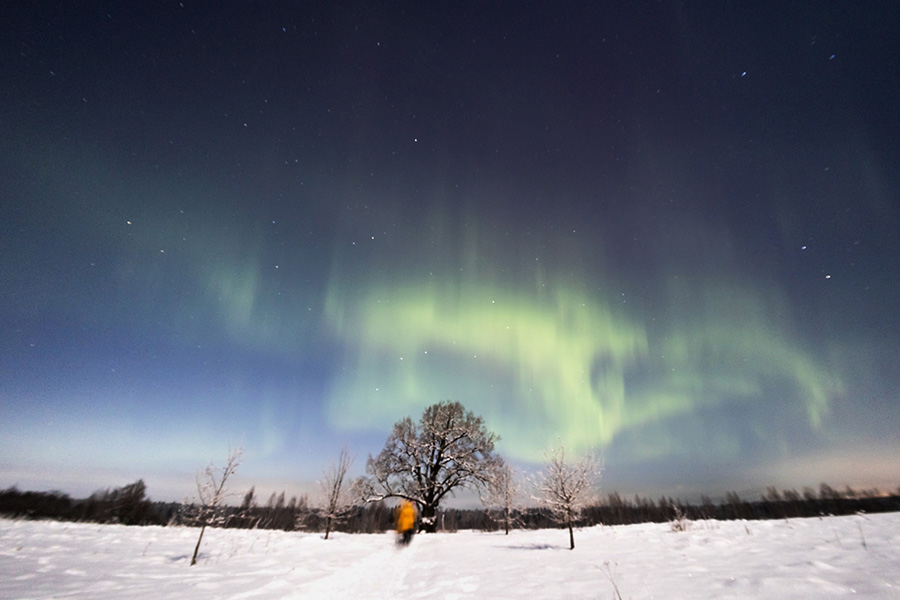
211, 494
449, 448
566, 488
501, 496
333, 489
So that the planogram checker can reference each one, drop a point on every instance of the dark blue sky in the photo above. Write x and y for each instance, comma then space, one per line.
663, 231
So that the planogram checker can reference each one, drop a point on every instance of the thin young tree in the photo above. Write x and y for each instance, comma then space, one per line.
211, 495
423, 462
333, 488
502, 495
566, 488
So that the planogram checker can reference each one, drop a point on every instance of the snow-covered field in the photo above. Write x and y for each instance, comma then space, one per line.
803, 558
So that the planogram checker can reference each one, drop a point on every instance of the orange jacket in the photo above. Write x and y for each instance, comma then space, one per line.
406, 516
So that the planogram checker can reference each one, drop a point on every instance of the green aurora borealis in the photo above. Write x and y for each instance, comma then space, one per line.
547, 361
660, 231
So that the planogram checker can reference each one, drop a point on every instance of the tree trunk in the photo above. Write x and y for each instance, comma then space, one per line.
327, 526
427, 523
571, 537
197, 547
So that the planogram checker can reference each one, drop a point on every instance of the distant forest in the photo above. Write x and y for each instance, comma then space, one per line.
129, 505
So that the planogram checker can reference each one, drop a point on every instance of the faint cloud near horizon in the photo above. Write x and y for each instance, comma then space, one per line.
857, 467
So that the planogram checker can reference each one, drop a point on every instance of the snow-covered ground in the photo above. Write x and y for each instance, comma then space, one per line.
802, 558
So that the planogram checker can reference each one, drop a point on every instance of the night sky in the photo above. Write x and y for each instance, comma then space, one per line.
663, 231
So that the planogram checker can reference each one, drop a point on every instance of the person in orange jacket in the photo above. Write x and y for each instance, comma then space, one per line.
406, 522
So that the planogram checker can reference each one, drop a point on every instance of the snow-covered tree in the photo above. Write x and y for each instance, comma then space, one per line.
423, 462
565, 489
501, 496
209, 509
336, 498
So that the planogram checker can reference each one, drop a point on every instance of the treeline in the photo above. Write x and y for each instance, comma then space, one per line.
616, 510
297, 514
129, 505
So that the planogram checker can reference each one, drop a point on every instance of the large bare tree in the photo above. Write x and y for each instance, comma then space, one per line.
423, 462
211, 495
565, 488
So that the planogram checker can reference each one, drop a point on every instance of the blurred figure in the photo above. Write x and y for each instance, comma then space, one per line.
406, 522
